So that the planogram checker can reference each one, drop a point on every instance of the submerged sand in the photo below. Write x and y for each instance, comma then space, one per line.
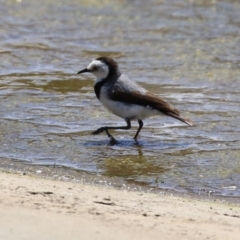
37, 208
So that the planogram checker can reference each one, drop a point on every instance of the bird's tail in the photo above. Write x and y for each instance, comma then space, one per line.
179, 117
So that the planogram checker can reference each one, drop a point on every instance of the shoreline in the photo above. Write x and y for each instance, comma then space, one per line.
33, 206
61, 173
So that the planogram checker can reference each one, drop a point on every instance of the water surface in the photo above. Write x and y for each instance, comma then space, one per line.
184, 51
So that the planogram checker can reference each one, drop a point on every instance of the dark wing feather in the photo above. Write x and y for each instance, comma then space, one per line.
148, 99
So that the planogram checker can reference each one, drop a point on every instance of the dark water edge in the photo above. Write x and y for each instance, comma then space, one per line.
66, 174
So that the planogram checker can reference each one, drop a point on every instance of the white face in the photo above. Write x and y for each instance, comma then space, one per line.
99, 69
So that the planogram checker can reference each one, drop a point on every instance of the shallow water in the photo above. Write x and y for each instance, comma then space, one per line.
184, 51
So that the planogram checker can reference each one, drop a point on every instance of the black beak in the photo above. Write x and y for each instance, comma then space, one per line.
84, 70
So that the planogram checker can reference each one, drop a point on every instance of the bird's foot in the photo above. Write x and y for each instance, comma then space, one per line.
102, 129
136, 142
99, 130
112, 141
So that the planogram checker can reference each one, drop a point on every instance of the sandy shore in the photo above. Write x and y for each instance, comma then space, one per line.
35, 208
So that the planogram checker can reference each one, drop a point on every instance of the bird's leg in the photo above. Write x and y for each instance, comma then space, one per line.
102, 129
140, 122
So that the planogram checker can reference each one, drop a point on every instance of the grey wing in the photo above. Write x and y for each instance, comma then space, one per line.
126, 85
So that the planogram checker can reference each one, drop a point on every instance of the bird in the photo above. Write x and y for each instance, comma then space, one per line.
126, 98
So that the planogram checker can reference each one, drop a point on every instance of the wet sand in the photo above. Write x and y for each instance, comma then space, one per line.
37, 208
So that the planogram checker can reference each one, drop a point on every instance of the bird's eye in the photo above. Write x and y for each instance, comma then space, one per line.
95, 68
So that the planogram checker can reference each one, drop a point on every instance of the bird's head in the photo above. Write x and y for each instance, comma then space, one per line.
102, 68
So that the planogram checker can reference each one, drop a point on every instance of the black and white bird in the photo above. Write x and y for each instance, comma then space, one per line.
124, 97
